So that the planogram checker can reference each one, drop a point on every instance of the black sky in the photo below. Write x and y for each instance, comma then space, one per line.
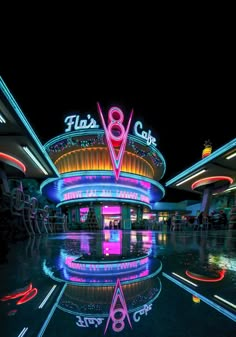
183, 92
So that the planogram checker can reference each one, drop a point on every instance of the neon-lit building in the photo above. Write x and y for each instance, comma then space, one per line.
110, 162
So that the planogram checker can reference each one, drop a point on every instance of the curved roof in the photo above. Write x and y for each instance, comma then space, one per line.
19, 140
86, 139
221, 162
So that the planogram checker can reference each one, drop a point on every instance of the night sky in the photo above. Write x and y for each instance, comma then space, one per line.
183, 102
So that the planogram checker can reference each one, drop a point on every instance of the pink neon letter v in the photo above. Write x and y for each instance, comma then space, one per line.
116, 160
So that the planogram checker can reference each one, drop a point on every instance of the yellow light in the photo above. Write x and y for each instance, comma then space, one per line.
196, 299
207, 151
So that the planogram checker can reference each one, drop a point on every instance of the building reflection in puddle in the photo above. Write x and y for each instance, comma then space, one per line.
111, 282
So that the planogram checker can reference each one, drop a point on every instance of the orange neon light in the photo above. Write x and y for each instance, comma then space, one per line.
207, 151
17, 293
209, 180
28, 296
98, 159
13, 160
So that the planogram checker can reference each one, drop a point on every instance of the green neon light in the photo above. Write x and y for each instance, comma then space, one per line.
22, 117
203, 161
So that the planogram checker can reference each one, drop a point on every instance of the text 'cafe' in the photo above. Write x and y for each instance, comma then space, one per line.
110, 162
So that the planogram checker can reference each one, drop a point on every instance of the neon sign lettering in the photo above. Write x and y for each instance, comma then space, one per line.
88, 321
98, 268
122, 194
116, 136
138, 131
143, 311
78, 124
118, 313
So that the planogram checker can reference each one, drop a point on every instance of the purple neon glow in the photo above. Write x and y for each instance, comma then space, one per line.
111, 210
115, 159
111, 248
144, 184
112, 193
104, 267
84, 209
118, 306
92, 279
72, 179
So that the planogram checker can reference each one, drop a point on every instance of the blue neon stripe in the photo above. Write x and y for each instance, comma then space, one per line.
22, 117
41, 332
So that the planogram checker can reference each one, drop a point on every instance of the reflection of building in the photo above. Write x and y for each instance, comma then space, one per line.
131, 301
103, 290
104, 165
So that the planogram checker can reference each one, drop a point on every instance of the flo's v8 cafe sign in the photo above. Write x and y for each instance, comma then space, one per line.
118, 314
75, 123
146, 135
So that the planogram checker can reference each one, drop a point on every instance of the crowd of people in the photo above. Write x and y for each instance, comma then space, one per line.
214, 220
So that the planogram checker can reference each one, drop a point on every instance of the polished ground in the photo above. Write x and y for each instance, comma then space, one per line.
185, 288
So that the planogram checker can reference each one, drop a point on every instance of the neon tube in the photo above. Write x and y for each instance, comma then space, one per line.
195, 285
14, 161
225, 301
47, 297
191, 177
205, 278
203, 298
22, 333
30, 154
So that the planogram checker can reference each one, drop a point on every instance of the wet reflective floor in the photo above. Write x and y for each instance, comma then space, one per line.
127, 283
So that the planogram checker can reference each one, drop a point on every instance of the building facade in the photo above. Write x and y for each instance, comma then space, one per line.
109, 163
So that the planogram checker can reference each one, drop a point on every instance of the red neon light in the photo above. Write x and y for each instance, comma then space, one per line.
17, 293
205, 278
13, 161
209, 180
28, 296
115, 127
112, 139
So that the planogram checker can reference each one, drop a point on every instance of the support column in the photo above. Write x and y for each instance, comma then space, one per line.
206, 200
97, 210
126, 221
125, 244
77, 214
139, 214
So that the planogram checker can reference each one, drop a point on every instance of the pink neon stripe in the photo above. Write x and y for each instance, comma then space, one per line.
116, 160
206, 180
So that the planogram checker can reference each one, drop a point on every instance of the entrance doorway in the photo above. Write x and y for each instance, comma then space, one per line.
111, 216
111, 222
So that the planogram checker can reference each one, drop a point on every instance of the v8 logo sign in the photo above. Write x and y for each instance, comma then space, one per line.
116, 136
